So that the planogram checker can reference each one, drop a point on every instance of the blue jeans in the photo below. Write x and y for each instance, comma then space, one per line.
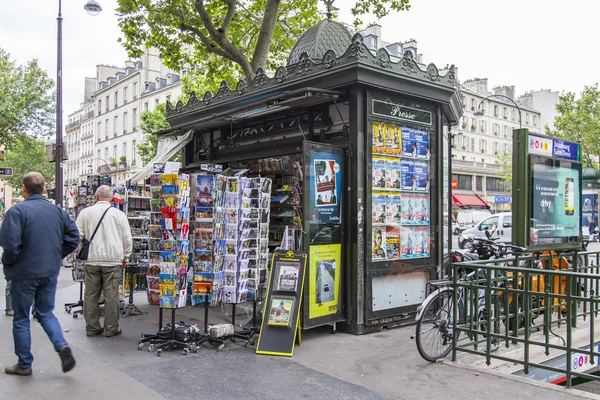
24, 292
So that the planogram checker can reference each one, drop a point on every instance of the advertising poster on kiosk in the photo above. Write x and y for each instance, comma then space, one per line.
323, 188
326, 176
325, 280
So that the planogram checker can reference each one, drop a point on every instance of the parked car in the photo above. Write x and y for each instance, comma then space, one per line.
501, 227
469, 218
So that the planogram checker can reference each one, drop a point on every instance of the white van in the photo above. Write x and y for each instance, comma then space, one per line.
500, 227
468, 218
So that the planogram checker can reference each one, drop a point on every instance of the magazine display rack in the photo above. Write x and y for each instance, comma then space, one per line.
134, 278
173, 259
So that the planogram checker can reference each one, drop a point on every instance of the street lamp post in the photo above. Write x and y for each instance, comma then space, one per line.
478, 113
93, 8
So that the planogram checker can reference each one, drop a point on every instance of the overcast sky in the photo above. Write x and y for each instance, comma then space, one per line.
531, 44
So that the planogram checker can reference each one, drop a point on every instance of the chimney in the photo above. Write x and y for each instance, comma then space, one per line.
508, 91
479, 85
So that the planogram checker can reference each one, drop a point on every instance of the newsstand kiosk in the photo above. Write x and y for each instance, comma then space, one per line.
356, 144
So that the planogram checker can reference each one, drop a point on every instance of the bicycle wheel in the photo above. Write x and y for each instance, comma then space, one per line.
434, 328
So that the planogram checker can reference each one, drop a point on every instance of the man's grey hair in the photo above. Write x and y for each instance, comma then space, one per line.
104, 192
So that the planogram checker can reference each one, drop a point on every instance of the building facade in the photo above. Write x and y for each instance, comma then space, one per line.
478, 142
103, 135
545, 102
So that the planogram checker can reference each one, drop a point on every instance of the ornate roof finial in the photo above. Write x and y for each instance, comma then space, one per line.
330, 8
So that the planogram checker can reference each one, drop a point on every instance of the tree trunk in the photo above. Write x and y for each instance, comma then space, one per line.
265, 37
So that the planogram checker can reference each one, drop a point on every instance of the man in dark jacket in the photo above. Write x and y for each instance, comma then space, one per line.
36, 235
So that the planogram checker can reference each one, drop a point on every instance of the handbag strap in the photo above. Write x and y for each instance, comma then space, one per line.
99, 222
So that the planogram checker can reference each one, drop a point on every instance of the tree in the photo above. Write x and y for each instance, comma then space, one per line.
221, 36
151, 122
505, 162
156, 120
25, 155
579, 120
27, 103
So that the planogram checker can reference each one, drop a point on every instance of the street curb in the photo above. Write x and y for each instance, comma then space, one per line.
497, 374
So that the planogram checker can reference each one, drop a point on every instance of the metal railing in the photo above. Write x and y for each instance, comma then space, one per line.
87, 116
72, 125
536, 305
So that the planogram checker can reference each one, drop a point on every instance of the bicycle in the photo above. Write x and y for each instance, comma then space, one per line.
434, 330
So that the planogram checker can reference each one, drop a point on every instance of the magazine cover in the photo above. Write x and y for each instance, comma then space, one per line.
378, 138
393, 173
421, 176
409, 145
393, 212
422, 241
379, 207
407, 246
280, 311
392, 243
407, 170
378, 240
395, 132
379, 173
407, 207
286, 278
421, 202
422, 142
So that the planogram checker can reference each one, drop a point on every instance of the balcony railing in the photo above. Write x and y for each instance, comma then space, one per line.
87, 116
72, 125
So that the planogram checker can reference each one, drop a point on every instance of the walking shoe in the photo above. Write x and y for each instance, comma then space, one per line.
10, 313
117, 333
16, 370
66, 357
98, 332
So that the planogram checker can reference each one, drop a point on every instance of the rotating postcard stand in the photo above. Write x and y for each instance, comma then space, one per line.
173, 265
241, 243
205, 274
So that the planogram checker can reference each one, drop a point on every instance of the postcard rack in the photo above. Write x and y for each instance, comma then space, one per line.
241, 242
171, 260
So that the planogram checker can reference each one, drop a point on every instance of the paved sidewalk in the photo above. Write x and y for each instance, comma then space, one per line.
384, 365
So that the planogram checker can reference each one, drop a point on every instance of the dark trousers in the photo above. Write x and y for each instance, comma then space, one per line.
24, 292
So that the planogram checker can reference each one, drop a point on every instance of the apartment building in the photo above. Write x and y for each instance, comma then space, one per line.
119, 100
478, 141
545, 102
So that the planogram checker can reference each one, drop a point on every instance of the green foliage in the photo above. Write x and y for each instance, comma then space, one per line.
579, 120
379, 8
505, 162
25, 155
27, 104
226, 39
151, 122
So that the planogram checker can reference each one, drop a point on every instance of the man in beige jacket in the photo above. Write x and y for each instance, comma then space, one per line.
109, 253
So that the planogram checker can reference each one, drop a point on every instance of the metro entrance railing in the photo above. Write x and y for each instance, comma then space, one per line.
524, 302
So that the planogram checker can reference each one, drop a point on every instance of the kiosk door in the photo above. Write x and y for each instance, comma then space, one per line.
324, 192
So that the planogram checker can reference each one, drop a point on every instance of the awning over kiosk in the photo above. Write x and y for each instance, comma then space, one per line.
468, 200
167, 147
